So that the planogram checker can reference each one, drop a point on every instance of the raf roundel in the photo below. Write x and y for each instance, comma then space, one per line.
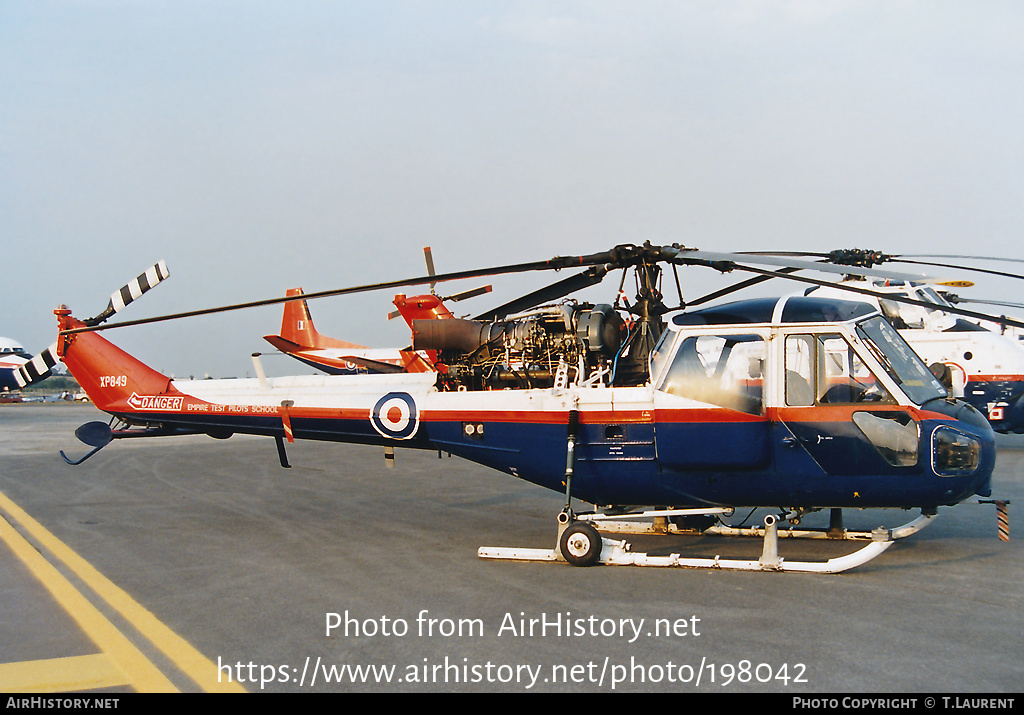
395, 416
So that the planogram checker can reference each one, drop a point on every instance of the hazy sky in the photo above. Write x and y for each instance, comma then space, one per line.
257, 146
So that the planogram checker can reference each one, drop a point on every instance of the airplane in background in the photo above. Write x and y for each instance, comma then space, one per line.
13, 356
300, 339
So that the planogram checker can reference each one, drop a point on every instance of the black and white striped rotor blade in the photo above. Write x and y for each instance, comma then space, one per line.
38, 368
132, 292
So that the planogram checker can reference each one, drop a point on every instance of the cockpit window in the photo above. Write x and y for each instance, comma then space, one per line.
723, 370
661, 352
931, 296
824, 369
900, 360
908, 315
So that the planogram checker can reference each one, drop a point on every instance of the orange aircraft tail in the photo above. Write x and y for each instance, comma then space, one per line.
298, 332
421, 307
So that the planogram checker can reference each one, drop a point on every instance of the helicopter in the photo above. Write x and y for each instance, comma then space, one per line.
799, 404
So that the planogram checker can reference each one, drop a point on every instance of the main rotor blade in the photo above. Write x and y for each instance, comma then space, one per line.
969, 258
804, 265
973, 269
618, 257
871, 258
785, 274
428, 256
1002, 320
556, 263
955, 300
467, 294
721, 293
591, 276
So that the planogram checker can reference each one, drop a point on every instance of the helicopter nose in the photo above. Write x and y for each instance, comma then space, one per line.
964, 454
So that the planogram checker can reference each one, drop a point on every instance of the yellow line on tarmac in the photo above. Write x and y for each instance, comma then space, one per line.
134, 666
193, 663
61, 675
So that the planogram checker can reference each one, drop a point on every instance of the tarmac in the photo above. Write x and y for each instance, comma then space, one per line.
201, 565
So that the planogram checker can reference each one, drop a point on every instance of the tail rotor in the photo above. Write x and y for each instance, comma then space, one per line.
131, 292
38, 368
41, 366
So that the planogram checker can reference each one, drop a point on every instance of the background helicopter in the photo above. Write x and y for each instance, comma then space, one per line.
731, 406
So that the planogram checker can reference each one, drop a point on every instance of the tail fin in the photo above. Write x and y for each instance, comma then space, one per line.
113, 379
421, 307
297, 330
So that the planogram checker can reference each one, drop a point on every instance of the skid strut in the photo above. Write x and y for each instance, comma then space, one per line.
578, 546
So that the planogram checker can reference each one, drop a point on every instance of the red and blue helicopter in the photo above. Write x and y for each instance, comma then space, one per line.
665, 420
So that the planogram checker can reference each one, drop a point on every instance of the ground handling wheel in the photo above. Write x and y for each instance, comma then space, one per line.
580, 544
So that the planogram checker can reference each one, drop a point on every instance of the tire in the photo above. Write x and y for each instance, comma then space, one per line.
580, 544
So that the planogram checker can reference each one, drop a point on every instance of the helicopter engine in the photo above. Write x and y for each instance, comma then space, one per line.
557, 344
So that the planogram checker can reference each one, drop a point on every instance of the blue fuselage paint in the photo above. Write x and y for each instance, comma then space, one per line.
746, 463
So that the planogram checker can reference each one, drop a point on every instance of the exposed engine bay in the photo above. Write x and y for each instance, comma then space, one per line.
550, 346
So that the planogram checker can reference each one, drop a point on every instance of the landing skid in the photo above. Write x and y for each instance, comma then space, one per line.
580, 543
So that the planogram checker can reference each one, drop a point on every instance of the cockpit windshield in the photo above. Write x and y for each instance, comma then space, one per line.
661, 352
900, 360
907, 315
931, 296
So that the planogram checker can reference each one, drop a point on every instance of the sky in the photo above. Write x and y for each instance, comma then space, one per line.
257, 146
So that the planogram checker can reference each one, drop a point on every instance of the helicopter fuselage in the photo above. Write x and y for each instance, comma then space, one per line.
767, 410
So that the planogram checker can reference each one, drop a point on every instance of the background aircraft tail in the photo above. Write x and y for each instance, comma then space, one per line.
298, 332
